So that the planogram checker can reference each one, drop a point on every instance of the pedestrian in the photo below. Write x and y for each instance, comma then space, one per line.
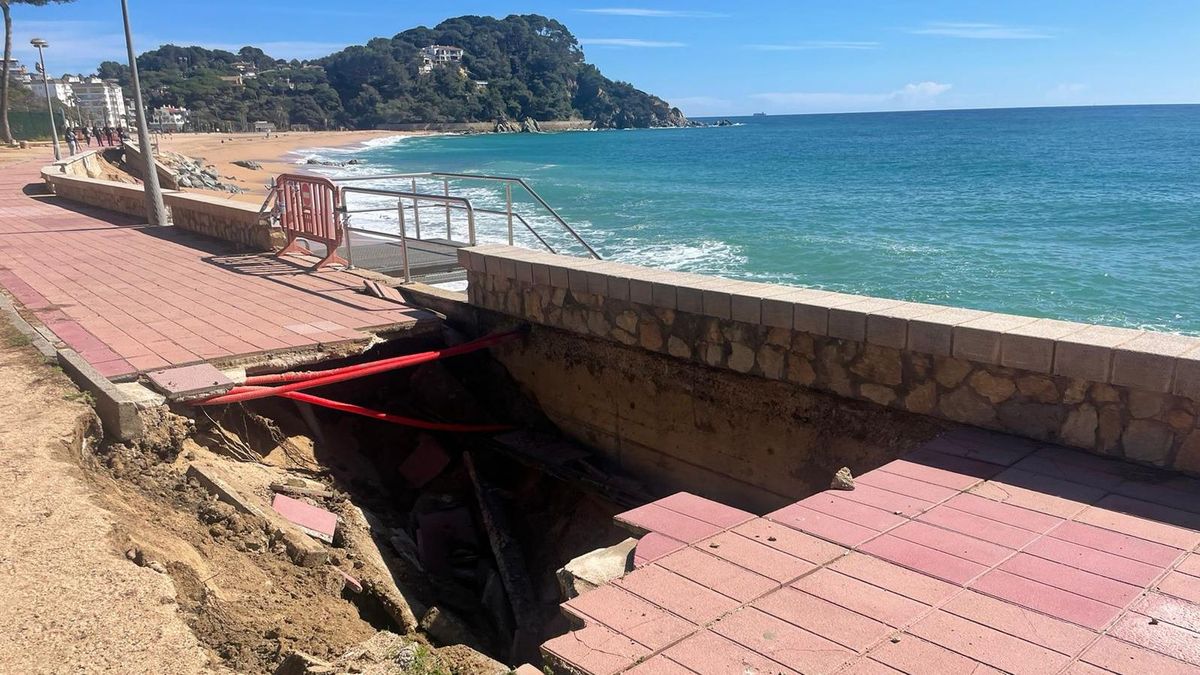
112, 136
99, 136
122, 134
86, 136
72, 144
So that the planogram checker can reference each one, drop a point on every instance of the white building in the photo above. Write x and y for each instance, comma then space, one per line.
17, 72
439, 55
169, 118
97, 102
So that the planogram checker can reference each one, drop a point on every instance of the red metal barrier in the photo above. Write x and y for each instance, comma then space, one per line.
308, 209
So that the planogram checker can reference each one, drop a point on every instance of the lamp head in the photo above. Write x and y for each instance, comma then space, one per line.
39, 43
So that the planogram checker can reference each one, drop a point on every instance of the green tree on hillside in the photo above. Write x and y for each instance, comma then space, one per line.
5, 8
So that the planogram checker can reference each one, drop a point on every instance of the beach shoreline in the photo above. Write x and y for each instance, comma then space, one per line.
275, 155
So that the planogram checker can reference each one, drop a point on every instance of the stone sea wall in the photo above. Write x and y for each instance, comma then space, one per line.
124, 198
1113, 391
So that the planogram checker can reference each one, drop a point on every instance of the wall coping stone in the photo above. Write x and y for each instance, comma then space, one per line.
1146, 360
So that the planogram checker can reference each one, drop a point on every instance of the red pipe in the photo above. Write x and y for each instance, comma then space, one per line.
398, 361
394, 419
249, 393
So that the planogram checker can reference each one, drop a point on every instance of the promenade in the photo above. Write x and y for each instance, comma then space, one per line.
130, 298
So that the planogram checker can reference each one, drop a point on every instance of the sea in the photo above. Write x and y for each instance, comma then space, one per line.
1088, 214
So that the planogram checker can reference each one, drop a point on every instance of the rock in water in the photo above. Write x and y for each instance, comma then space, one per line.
843, 479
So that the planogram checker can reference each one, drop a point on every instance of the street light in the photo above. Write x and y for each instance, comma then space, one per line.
156, 212
42, 44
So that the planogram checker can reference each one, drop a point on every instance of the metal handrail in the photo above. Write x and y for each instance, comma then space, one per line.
490, 212
507, 180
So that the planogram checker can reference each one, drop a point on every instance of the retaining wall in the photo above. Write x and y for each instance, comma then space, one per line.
83, 164
1112, 391
125, 198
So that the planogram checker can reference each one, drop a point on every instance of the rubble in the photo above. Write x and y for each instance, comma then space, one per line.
596, 568
191, 173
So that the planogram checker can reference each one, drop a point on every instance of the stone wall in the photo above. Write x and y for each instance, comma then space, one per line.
120, 197
83, 164
167, 179
1113, 391
222, 218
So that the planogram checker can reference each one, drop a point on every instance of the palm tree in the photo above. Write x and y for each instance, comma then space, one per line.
5, 6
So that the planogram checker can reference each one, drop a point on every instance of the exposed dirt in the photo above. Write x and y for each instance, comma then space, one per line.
69, 602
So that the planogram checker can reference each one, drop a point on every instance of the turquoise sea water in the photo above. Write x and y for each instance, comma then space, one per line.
1088, 214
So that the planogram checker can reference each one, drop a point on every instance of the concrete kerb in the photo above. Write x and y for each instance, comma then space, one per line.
36, 338
119, 408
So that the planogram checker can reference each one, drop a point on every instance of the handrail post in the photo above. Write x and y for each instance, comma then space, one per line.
403, 241
346, 229
508, 201
416, 210
470, 224
446, 190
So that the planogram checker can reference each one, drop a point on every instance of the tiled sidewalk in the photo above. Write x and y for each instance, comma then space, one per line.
130, 298
979, 553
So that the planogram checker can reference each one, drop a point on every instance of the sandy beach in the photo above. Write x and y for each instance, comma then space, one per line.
221, 150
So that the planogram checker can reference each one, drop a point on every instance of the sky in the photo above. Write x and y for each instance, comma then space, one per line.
727, 58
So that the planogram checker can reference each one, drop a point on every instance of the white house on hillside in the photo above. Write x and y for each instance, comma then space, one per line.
439, 55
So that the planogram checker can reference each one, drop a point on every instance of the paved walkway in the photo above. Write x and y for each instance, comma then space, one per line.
979, 553
131, 298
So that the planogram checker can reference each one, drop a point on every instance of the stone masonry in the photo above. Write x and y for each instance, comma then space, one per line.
1118, 392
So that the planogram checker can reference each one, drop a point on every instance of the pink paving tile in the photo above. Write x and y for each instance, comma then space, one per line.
905, 486
878, 603
888, 501
1068, 578
956, 544
113, 368
148, 362
704, 509
657, 665
782, 642
979, 527
1047, 599
985, 446
679, 595
1146, 520
915, 585
1040, 493
831, 503
1173, 610
1092, 560
312, 519
756, 557
189, 381
1190, 565
864, 666
629, 615
707, 652
929, 474
826, 619
652, 546
595, 649
999, 512
1122, 657
1172, 490
719, 575
988, 645
1117, 543
1065, 465
1164, 638
785, 539
914, 655
821, 525
1181, 586
654, 518
1062, 637
924, 559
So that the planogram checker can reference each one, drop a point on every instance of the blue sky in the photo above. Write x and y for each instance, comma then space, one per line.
726, 58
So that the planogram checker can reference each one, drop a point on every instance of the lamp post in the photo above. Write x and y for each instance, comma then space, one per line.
156, 212
42, 44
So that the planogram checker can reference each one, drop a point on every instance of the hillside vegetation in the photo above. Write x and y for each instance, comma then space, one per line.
515, 68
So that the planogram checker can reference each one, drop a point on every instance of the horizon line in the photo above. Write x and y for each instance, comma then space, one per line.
921, 110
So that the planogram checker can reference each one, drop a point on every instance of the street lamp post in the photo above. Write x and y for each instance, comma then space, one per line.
42, 44
156, 212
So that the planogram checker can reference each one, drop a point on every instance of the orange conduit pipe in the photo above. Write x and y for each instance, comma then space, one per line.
322, 378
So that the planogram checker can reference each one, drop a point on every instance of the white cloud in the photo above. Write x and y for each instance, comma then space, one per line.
915, 95
628, 42
815, 44
982, 31
654, 13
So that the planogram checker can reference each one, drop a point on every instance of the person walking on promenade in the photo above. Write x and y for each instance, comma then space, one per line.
111, 135
86, 136
99, 136
72, 143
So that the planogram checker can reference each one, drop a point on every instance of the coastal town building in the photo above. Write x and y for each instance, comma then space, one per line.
95, 101
439, 55
245, 68
60, 89
17, 72
169, 119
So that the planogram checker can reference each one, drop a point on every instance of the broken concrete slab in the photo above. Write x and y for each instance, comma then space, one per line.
301, 549
596, 568
300, 663
303, 490
190, 382
312, 520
